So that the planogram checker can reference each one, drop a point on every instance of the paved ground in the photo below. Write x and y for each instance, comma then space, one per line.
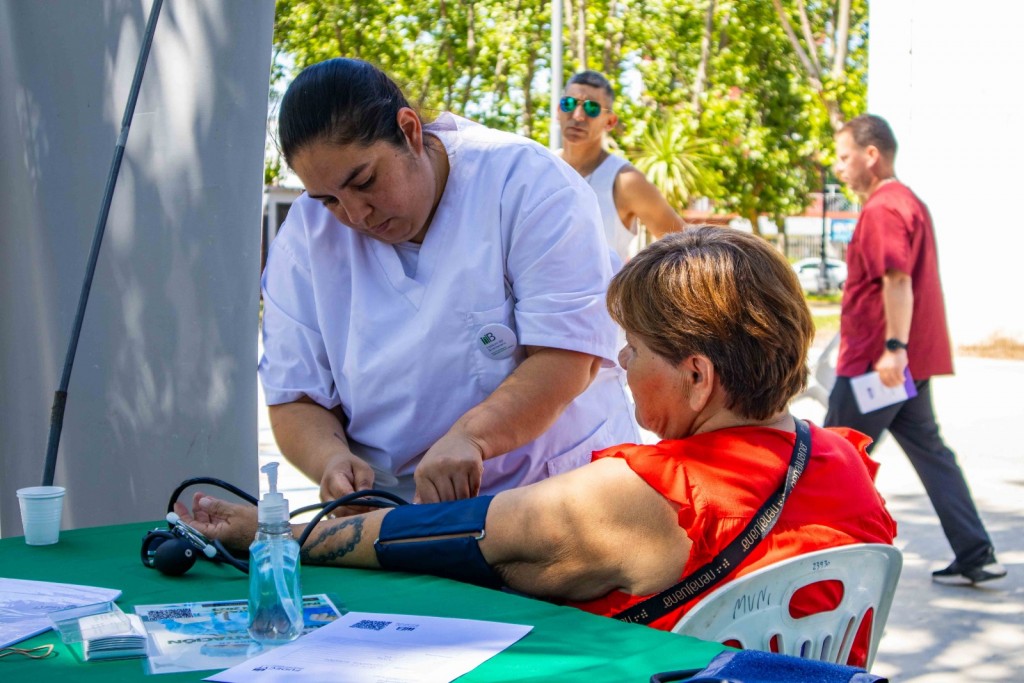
935, 634
944, 634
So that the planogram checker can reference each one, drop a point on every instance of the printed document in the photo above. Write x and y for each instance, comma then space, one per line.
872, 395
362, 647
25, 604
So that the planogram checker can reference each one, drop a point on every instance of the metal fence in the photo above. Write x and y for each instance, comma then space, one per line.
796, 247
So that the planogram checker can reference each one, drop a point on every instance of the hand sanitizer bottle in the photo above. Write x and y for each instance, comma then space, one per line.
275, 598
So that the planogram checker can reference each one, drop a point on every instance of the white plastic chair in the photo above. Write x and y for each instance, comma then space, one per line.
823, 374
754, 609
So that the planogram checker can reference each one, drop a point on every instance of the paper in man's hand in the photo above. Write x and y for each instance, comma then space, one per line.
872, 395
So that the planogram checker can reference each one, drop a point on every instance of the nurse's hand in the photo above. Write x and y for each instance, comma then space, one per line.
450, 470
345, 473
232, 524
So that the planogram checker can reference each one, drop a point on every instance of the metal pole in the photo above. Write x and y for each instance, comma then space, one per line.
823, 276
555, 137
60, 397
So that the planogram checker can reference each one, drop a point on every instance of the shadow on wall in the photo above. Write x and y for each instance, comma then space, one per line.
163, 384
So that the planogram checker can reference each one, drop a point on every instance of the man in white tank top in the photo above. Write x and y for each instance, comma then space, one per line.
624, 194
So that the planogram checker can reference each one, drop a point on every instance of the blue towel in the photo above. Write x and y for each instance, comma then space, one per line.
753, 666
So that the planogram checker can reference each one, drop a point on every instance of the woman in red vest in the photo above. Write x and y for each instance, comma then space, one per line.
717, 336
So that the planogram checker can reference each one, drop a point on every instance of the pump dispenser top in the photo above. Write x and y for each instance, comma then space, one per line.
273, 508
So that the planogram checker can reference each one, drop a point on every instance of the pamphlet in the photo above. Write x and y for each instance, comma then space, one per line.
364, 647
872, 395
24, 605
198, 636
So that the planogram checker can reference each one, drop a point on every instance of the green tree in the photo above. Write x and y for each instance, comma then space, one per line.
676, 161
480, 58
764, 82
828, 40
757, 112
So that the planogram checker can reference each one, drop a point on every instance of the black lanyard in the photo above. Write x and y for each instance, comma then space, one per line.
705, 578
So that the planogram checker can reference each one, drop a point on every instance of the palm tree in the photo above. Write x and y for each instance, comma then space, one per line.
676, 161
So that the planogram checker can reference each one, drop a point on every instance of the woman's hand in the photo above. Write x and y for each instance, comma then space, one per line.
312, 438
345, 473
522, 408
450, 470
232, 524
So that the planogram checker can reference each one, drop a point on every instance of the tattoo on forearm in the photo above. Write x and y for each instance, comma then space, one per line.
325, 549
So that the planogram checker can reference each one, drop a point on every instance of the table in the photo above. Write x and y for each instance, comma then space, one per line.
565, 644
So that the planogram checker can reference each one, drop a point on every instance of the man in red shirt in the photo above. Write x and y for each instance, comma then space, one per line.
894, 319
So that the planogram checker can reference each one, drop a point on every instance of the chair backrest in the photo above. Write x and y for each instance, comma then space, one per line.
753, 610
822, 375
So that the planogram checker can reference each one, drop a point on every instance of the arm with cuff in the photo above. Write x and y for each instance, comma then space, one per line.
576, 536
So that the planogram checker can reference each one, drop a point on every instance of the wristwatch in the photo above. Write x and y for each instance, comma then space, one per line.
895, 344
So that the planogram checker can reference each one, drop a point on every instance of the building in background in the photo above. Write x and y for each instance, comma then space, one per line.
946, 77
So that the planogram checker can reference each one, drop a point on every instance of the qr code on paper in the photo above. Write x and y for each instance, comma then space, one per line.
371, 625
176, 613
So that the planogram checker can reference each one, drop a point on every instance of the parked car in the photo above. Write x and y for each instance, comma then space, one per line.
807, 272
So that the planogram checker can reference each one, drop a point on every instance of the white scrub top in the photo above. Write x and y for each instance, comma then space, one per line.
514, 256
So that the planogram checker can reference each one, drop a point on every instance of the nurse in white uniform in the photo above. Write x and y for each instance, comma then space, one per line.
433, 320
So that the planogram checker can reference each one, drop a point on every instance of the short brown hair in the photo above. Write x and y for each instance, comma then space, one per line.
869, 130
727, 295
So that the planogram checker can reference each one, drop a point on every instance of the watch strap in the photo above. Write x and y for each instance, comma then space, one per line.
894, 344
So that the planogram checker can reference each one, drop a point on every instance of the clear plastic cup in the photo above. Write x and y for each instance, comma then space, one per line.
41, 508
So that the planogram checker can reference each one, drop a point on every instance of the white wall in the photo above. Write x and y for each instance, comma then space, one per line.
164, 383
947, 76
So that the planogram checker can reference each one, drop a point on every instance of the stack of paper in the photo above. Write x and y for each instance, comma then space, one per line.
123, 638
100, 631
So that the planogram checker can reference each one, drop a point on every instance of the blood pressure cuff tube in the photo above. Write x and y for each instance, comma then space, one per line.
408, 542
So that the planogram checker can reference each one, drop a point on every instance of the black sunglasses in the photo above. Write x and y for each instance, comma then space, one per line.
590, 107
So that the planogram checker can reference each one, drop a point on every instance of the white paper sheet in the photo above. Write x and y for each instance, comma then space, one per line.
363, 647
25, 604
872, 395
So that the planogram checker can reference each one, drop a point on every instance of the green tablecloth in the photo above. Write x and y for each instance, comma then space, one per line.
565, 643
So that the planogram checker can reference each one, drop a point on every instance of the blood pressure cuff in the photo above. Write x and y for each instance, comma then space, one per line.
409, 541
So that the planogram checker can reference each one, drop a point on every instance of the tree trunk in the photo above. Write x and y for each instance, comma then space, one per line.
811, 70
569, 25
783, 235
705, 53
612, 45
751, 216
581, 33
842, 40
470, 53
531, 60
449, 58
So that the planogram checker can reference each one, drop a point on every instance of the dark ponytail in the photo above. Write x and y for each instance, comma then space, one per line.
341, 101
